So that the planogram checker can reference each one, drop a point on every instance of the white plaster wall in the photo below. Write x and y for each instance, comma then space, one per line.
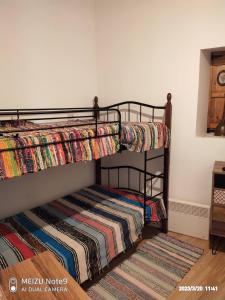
147, 48
47, 59
47, 53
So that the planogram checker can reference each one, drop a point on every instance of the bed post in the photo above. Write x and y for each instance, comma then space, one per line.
96, 106
98, 161
168, 115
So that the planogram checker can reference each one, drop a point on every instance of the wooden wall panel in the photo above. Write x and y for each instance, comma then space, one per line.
217, 92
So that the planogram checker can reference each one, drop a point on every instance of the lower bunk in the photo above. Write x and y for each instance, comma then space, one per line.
84, 230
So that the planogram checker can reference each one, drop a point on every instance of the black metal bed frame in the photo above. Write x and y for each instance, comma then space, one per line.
147, 175
93, 118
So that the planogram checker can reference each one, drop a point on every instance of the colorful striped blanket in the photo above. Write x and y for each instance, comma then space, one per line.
37, 151
145, 136
44, 154
85, 230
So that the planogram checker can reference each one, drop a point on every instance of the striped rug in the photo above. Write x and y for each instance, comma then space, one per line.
152, 272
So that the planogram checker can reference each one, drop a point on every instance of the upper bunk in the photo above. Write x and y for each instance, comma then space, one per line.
32, 140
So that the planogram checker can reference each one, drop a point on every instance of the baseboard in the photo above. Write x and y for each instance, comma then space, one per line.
189, 218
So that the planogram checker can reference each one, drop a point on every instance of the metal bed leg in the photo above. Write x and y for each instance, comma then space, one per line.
165, 225
98, 177
145, 185
215, 244
166, 188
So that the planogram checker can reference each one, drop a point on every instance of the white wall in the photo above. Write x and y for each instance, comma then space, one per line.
47, 59
147, 48
47, 53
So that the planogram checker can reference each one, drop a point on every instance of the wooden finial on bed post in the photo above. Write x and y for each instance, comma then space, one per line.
168, 111
168, 116
96, 106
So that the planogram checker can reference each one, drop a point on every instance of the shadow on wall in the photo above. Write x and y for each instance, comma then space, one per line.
203, 92
21, 193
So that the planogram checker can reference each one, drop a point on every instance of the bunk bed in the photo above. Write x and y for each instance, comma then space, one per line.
87, 229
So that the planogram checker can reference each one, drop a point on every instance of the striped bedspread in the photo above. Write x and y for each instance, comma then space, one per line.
145, 136
41, 156
135, 136
85, 230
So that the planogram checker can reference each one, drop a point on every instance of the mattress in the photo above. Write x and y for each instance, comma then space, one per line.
37, 150
84, 230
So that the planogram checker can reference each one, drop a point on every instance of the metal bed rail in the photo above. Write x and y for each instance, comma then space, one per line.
139, 109
22, 115
142, 189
